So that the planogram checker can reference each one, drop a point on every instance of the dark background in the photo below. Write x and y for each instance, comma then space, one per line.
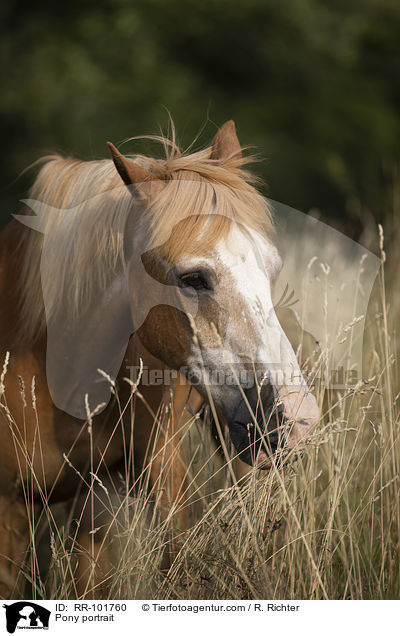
314, 86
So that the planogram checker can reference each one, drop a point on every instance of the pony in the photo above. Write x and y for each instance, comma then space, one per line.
129, 262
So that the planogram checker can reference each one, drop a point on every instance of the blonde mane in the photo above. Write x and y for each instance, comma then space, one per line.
84, 208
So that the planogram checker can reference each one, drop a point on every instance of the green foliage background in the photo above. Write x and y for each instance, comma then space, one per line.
315, 86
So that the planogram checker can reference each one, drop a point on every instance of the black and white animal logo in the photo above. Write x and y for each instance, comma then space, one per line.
26, 615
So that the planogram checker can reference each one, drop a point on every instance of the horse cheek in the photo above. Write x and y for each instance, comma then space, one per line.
166, 334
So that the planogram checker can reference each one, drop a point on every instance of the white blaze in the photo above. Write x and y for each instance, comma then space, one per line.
254, 263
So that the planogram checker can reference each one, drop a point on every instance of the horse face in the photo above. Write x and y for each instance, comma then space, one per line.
231, 346
216, 322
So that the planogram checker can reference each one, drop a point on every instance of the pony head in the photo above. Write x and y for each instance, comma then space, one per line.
180, 251
212, 247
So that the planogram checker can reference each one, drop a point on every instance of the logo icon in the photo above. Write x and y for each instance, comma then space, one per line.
26, 615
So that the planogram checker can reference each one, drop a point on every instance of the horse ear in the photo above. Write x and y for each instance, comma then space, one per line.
226, 143
128, 170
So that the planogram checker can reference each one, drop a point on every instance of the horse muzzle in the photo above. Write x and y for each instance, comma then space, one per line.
260, 428
255, 427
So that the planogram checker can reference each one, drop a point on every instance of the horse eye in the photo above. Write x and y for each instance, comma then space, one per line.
195, 280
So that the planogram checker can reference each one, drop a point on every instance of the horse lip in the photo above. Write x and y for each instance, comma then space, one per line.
263, 461
248, 439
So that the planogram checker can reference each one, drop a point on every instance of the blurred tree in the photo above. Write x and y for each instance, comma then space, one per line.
314, 86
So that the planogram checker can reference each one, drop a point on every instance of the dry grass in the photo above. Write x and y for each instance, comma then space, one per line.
325, 526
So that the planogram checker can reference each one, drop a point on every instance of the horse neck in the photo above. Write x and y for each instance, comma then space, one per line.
13, 243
